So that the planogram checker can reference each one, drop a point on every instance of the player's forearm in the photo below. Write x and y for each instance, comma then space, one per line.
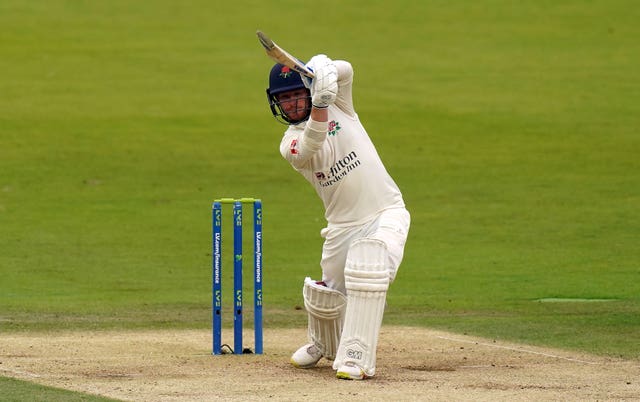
315, 133
298, 147
345, 71
319, 114
344, 100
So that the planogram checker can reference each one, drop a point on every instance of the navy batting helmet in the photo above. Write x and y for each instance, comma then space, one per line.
283, 79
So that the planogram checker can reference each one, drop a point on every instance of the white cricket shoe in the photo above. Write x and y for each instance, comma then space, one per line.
350, 371
306, 357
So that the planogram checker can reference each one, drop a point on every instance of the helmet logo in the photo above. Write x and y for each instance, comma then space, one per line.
285, 72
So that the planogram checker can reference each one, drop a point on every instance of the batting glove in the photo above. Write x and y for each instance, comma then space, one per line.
314, 64
324, 87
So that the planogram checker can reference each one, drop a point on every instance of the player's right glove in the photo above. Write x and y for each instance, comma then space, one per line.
324, 87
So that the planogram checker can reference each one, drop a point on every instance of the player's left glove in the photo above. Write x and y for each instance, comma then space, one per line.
324, 87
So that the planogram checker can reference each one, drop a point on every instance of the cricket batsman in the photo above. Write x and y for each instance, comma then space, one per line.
367, 222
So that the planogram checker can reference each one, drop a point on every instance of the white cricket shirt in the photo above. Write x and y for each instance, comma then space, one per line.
340, 161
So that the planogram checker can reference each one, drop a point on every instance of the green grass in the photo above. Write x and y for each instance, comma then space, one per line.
18, 391
511, 127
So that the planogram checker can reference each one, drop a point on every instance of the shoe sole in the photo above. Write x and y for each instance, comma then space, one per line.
346, 376
343, 376
296, 365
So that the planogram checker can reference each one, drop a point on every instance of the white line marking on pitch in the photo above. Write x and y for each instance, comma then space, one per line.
517, 350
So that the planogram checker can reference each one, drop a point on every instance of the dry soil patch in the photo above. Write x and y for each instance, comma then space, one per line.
413, 364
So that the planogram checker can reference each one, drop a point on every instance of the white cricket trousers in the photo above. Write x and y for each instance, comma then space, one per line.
391, 227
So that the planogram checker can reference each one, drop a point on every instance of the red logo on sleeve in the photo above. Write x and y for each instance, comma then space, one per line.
294, 147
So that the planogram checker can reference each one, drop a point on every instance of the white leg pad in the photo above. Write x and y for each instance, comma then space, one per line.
326, 308
367, 281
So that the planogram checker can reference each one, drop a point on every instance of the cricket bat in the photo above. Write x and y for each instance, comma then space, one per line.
281, 56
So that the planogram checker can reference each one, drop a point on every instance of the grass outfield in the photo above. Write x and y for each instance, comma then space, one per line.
19, 391
512, 130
